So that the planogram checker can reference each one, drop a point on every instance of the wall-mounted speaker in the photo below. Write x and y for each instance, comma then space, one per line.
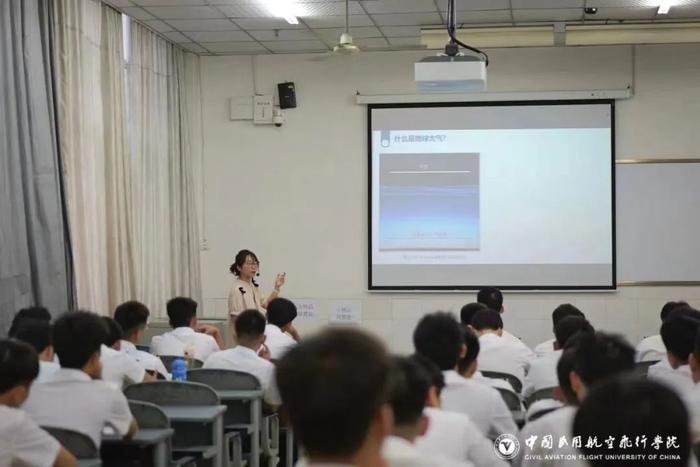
287, 95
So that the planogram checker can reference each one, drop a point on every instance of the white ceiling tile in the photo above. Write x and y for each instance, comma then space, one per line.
363, 32
327, 8
245, 10
169, 2
623, 13
462, 5
184, 12
337, 21
620, 3
119, 3
399, 6
202, 24
405, 41
219, 36
372, 42
266, 23
227, 47
407, 19
295, 46
484, 16
549, 4
560, 14
283, 35
193, 47
401, 31
136, 12
158, 25
684, 12
177, 36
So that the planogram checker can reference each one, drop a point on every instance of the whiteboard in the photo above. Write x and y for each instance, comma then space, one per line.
658, 221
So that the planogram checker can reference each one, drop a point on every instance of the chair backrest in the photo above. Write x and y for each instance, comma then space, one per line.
172, 393
511, 399
78, 444
224, 379
144, 348
512, 379
544, 393
168, 360
148, 415
641, 368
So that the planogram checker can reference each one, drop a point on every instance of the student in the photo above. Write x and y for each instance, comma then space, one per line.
633, 408
467, 364
23, 443
678, 334
280, 334
333, 386
37, 333
250, 332
543, 369
34, 312
559, 313
133, 316
467, 312
652, 348
72, 398
187, 338
498, 353
693, 396
493, 299
409, 390
439, 337
118, 367
452, 434
596, 357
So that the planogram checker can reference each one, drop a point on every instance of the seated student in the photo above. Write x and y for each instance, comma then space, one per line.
468, 311
408, 393
634, 409
493, 299
440, 338
132, 316
72, 398
250, 337
33, 312
678, 333
467, 364
559, 313
652, 348
187, 338
543, 370
23, 443
452, 434
596, 357
37, 333
497, 353
280, 334
333, 387
692, 398
118, 367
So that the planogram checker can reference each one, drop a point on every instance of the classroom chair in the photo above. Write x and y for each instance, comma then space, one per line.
544, 393
641, 368
168, 360
513, 380
78, 444
514, 404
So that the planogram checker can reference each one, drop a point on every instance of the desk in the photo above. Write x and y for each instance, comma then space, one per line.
157, 438
208, 414
255, 397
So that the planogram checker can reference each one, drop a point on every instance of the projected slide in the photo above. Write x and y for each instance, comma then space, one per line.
429, 202
512, 195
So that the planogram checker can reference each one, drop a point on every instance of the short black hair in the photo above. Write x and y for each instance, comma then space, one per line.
678, 333
333, 385
565, 366
491, 297
633, 408
438, 337
473, 347
77, 335
281, 311
132, 316
409, 390
670, 306
33, 312
19, 364
487, 319
114, 331
467, 312
36, 333
436, 376
250, 323
602, 355
564, 310
181, 310
569, 326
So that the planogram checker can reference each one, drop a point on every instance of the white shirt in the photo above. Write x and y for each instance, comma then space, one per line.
543, 373
679, 379
70, 399
481, 402
46, 369
23, 442
545, 347
651, 348
277, 341
148, 362
456, 437
399, 452
557, 424
120, 368
179, 339
504, 354
692, 402
243, 359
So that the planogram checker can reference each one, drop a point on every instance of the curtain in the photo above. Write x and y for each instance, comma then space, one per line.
35, 262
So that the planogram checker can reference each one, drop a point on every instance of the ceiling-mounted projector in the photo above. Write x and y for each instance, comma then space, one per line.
452, 71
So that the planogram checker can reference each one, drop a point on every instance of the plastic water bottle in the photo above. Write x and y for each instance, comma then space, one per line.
179, 370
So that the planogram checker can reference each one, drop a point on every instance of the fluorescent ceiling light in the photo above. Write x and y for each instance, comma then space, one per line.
286, 9
664, 7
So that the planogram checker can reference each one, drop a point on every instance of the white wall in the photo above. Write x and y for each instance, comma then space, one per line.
297, 195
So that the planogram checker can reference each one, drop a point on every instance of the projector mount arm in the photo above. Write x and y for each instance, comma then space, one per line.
452, 47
